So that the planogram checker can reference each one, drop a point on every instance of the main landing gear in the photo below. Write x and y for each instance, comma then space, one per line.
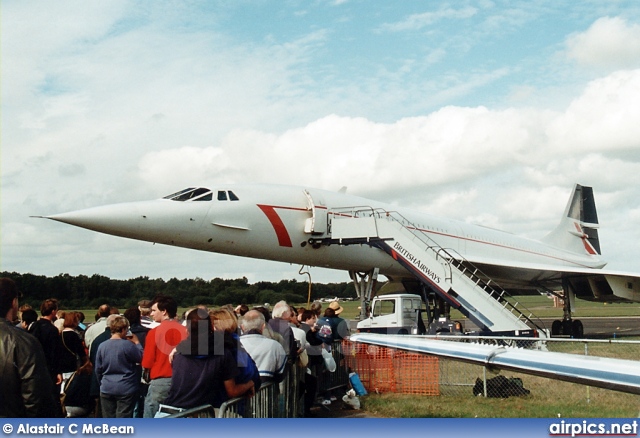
568, 326
364, 283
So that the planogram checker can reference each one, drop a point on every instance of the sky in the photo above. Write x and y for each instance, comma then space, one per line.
483, 111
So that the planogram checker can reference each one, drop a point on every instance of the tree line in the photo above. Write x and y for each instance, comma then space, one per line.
87, 292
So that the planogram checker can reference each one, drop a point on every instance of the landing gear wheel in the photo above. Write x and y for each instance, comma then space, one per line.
567, 327
556, 328
577, 329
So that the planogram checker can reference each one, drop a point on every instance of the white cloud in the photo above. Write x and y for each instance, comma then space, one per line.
172, 169
610, 42
39, 34
605, 117
419, 21
449, 145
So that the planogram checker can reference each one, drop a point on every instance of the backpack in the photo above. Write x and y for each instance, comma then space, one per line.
324, 333
501, 387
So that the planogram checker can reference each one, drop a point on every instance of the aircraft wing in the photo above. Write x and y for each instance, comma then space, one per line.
616, 374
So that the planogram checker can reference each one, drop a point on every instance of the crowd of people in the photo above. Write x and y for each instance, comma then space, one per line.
148, 362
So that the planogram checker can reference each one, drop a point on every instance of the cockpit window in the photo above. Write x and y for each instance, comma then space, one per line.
191, 194
206, 197
224, 195
201, 194
173, 195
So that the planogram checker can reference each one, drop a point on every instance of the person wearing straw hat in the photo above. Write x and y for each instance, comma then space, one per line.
339, 327
335, 305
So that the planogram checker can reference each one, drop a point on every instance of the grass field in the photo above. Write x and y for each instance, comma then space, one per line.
548, 398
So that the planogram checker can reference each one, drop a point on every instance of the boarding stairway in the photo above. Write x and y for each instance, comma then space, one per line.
447, 273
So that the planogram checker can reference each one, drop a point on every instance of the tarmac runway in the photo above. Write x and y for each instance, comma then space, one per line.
597, 327
610, 327
594, 327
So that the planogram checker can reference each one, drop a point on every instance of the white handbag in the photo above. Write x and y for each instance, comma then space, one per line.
329, 362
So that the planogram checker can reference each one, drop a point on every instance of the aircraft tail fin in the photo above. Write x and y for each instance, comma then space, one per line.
578, 229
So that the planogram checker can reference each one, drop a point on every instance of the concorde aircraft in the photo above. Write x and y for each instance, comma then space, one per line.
467, 266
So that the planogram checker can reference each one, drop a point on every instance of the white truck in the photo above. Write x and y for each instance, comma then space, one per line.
402, 314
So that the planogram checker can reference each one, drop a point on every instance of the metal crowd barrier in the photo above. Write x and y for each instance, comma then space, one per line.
262, 405
285, 399
204, 411
340, 377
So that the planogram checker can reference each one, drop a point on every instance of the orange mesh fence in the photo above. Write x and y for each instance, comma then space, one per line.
384, 369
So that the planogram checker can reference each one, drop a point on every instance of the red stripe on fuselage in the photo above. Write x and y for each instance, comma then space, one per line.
276, 222
278, 226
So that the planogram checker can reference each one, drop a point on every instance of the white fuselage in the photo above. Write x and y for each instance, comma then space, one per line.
268, 222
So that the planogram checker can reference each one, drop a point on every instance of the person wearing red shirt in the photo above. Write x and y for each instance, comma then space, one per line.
159, 343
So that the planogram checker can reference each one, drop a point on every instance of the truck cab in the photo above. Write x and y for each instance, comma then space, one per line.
393, 314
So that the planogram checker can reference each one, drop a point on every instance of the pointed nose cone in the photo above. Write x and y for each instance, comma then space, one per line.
118, 219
